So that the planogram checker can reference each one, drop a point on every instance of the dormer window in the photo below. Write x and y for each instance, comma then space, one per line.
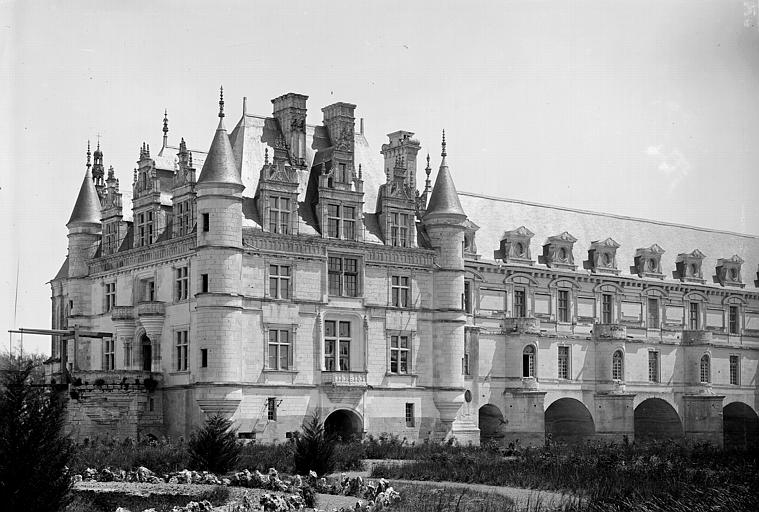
557, 252
689, 266
279, 215
470, 247
399, 229
602, 256
648, 262
728, 271
515, 246
144, 228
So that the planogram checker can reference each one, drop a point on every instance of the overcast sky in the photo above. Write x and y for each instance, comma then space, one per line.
642, 108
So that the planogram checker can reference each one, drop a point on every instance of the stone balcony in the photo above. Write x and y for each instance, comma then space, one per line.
609, 332
151, 308
121, 313
698, 337
344, 379
522, 325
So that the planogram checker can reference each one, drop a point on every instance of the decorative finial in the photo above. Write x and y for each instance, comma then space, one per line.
221, 101
88, 154
428, 169
98, 149
266, 156
165, 122
244, 105
360, 172
443, 153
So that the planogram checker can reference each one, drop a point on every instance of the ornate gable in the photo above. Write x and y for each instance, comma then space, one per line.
557, 251
602, 256
648, 262
728, 271
515, 246
689, 266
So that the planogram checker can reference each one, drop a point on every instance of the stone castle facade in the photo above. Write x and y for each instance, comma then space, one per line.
300, 272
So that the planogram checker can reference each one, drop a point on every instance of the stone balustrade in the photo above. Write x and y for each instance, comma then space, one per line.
151, 308
122, 313
698, 337
609, 332
345, 379
520, 325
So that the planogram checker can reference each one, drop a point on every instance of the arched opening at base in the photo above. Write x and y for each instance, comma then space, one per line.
344, 424
656, 420
569, 421
740, 426
147, 353
491, 423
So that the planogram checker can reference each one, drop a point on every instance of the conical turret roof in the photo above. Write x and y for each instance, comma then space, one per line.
444, 198
220, 166
87, 207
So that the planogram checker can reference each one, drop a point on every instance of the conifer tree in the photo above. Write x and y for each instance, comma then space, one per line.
314, 449
214, 447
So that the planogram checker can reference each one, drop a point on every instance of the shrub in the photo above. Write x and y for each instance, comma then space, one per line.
34, 452
314, 449
214, 447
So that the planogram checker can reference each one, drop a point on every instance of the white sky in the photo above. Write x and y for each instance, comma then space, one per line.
646, 108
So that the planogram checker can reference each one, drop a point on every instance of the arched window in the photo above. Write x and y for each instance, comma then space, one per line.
706, 371
618, 366
528, 361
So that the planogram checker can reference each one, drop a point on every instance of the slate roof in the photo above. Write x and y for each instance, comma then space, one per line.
87, 207
444, 198
220, 166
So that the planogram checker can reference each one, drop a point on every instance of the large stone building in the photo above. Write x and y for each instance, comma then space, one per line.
299, 272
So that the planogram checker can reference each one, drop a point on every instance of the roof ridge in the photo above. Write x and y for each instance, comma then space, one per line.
606, 214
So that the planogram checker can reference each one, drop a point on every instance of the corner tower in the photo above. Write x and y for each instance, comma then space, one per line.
445, 222
219, 263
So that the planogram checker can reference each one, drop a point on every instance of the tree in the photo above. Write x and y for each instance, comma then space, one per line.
34, 452
314, 449
214, 447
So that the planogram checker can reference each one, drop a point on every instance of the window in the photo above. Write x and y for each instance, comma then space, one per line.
653, 313
349, 223
271, 409
409, 415
182, 346
280, 349
279, 281
618, 366
204, 283
400, 291
340, 174
127, 353
279, 215
693, 317
181, 283
705, 369
183, 217
606, 317
204, 358
399, 229
337, 346
653, 366
148, 290
466, 299
109, 362
343, 276
733, 322
109, 238
337, 215
144, 228
563, 362
110, 296
400, 350
520, 304
333, 221
528, 361
563, 305
465, 362
206, 222
735, 370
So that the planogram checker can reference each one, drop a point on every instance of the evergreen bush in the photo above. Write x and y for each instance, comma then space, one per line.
214, 447
314, 449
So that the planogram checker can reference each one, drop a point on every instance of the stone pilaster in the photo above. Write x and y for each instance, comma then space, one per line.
614, 416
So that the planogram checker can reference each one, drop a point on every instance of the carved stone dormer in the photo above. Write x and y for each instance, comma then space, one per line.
183, 193
401, 146
648, 262
277, 196
728, 271
114, 229
290, 113
149, 214
602, 256
557, 251
689, 266
515, 246
396, 203
470, 246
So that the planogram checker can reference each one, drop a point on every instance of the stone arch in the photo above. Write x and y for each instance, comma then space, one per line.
569, 421
146, 352
491, 423
655, 420
740, 426
345, 424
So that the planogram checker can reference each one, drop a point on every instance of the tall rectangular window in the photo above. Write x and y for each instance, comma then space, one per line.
693, 316
204, 283
340, 175
333, 221
183, 219
466, 299
520, 304
400, 354
110, 296
400, 291
563, 305
181, 351
343, 276
465, 362
349, 223
280, 349
145, 228
653, 313
606, 301
337, 346
733, 320
653, 366
563, 362
147, 292
409, 414
279, 215
735, 370
206, 222
109, 351
181, 283
399, 229
204, 358
279, 281
109, 238
271, 409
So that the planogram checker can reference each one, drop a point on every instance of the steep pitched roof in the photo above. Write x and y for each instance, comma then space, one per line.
444, 198
87, 207
220, 166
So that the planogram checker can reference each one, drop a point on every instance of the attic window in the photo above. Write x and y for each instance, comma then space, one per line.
728, 271
689, 266
515, 246
557, 251
648, 262
602, 256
